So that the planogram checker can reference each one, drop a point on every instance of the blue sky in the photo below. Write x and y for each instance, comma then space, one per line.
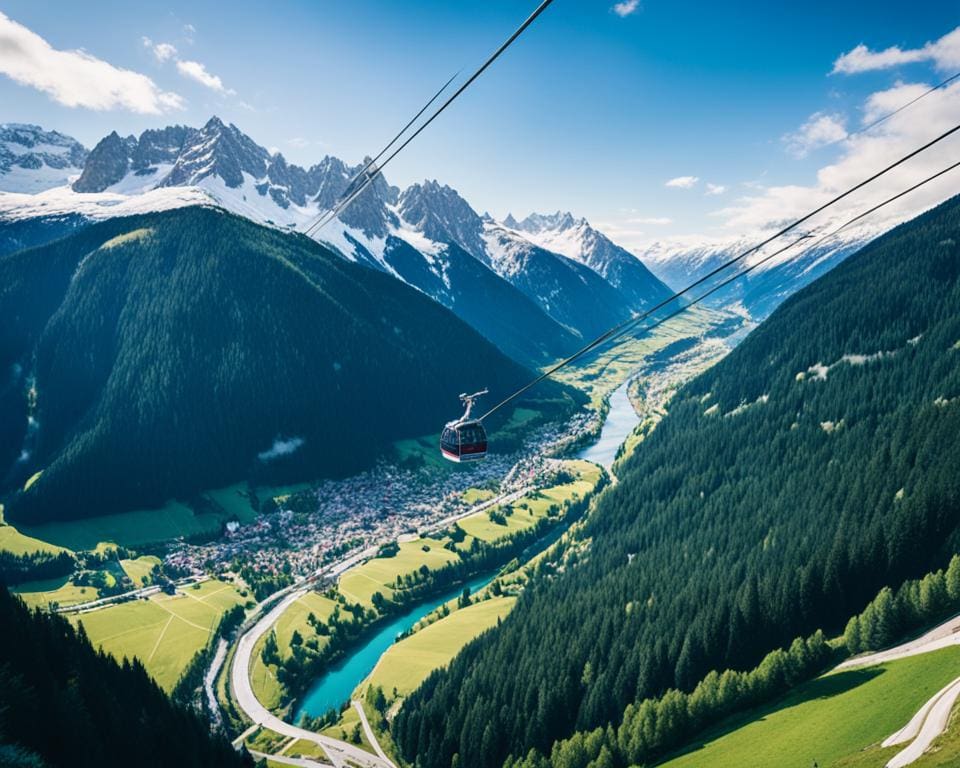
591, 110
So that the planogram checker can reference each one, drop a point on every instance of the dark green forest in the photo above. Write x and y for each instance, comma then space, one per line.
185, 350
64, 704
816, 464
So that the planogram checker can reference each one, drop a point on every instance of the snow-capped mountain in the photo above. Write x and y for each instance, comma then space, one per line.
219, 165
537, 288
576, 239
681, 261
569, 292
32, 159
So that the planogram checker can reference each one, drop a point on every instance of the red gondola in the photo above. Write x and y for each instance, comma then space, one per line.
464, 439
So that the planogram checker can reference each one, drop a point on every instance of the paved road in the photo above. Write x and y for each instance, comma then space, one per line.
932, 718
935, 715
371, 736
338, 751
941, 636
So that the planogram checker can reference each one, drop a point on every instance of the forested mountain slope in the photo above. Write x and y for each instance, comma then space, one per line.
64, 704
815, 464
160, 355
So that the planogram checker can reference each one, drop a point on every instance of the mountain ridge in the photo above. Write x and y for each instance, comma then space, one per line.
419, 234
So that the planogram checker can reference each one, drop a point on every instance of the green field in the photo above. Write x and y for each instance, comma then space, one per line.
529, 509
376, 575
11, 540
359, 583
476, 495
164, 631
943, 753
148, 526
129, 529
263, 677
60, 590
610, 367
407, 663
345, 728
830, 719
139, 570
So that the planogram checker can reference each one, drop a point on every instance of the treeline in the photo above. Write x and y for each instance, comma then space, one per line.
656, 726
916, 603
32, 566
787, 485
200, 348
64, 703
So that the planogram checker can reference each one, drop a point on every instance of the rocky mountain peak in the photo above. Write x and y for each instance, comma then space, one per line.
443, 215
107, 163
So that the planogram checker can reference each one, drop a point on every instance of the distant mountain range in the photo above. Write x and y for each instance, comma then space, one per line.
32, 159
537, 287
533, 302
680, 262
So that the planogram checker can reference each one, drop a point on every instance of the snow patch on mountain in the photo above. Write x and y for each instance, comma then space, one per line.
33, 160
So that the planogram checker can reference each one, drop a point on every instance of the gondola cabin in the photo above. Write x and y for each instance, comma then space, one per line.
463, 441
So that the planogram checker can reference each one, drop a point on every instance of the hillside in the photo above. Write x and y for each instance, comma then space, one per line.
815, 464
159, 355
62, 703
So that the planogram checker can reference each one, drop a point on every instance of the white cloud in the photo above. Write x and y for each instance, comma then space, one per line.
626, 8
715, 189
819, 130
683, 182
76, 78
298, 142
196, 71
280, 448
654, 220
863, 155
163, 51
943, 53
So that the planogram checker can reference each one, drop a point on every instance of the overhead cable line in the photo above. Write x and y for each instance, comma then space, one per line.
630, 322
373, 161
376, 171
898, 110
819, 242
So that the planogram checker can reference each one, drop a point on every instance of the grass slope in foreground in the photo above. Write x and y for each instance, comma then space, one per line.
828, 719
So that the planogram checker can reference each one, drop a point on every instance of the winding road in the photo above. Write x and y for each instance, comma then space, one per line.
338, 751
255, 628
932, 718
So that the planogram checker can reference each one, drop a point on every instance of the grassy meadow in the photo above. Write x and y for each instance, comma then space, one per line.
164, 631
838, 719
408, 662
263, 677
